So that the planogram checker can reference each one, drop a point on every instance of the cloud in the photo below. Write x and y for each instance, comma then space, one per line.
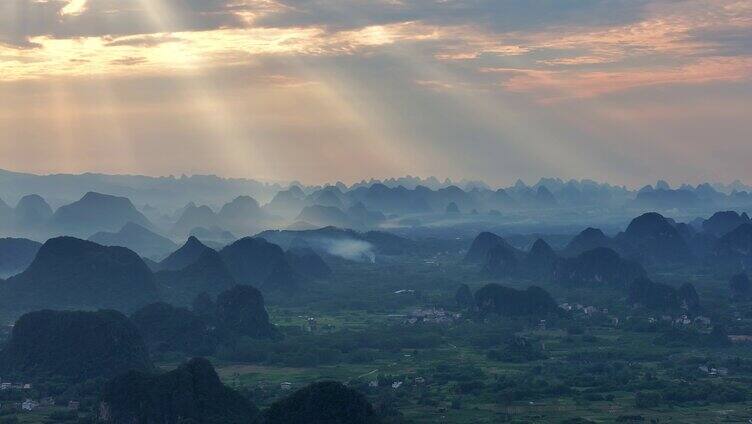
350, 249
552, 86
143, 40
129, 61
73, 8
495, 15
22, 20
358, 88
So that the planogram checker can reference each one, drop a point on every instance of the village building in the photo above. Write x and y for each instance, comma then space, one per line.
312, 325
29, 405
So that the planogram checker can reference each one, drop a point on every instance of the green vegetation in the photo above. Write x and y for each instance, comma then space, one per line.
431, 338
72, 346
192, 393
324, 402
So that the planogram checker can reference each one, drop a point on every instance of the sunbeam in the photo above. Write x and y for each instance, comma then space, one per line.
74, 7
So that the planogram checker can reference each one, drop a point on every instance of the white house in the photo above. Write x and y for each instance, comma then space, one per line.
29, 405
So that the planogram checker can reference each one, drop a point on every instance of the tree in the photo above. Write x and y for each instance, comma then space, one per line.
464, 297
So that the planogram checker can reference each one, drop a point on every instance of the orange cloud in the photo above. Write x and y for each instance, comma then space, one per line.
663, 49
551, 86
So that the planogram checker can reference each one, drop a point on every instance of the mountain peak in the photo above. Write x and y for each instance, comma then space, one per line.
186, 255
68, 272
97, 212
648, 224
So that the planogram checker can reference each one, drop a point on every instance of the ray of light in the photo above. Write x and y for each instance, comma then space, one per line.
74, 7
220, 119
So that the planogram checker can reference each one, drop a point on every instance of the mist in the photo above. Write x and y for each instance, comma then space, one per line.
350, 249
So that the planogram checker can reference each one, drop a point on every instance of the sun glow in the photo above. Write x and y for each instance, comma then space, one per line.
260, 81
73, 8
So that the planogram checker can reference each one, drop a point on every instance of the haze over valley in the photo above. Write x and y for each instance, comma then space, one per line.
375, 212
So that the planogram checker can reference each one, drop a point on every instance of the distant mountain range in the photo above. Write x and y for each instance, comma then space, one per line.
137, 238
191, 393
722, 244
73, 346
16, 255
394, 195
67, 272
161, 192
70, 273
232, 211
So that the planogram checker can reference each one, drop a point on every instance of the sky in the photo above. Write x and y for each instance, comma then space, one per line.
622, 91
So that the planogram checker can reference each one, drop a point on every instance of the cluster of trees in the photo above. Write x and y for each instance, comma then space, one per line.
341, 346
235, 314
193, 393
700, 391
518, 350
73, 346
509, 302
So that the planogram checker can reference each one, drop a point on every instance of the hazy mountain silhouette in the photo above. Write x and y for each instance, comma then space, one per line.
653, 240
741, 287
666, 199
187, 254
322, 402
588, 239
325, 216
16, 255
544, 197
32, 214
734, 250
73, 345
540, 261
192, 393
407, 195
96, 212
137, 238
503, 261
166, 328
6, 216
722, 223
328, 197
600, 266
379, 197
361, 217
242, 215
287, 203
195, 216
72, 273
662, 297
282, 277
207, 274
509, 302
501, 199
214, 235
446, 196
452, 208
482, 245
166, 193
307, 263
252, 260
240, 310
